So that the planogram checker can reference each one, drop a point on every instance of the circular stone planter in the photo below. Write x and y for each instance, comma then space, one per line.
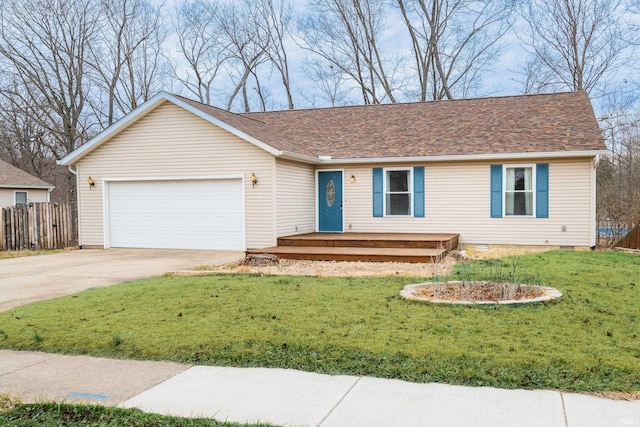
416, 292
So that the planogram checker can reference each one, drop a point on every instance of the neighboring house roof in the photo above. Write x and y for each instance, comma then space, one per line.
12, 177
559, 124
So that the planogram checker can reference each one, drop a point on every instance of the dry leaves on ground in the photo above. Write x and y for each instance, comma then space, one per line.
8, 402
339, 268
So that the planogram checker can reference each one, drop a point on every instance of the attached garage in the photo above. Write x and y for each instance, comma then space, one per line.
175, 214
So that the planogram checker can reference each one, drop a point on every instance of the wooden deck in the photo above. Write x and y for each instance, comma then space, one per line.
375, 247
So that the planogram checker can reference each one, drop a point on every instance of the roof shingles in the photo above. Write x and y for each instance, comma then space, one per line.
11, 176
501, 125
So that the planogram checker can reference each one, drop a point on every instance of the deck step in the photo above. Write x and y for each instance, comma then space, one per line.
343, 253
377, 247
373, 240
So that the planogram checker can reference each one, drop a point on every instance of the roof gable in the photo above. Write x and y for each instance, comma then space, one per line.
151, 105
12, 177
548, 124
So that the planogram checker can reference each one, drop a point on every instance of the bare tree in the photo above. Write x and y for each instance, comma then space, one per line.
45, 44
146, 69
573, 44
618, 201
328, 81
618, 179
231, 47
22, 140
247, 44
126, 56
453, 42
203, 45
631, 29
275, 18
345, 34
27, 145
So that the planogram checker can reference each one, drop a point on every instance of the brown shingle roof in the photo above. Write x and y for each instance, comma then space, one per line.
560, 122
11, 176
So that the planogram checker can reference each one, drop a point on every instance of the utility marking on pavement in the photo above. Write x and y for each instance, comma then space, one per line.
83, 394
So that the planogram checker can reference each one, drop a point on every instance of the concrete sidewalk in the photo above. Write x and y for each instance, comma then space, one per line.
288, 397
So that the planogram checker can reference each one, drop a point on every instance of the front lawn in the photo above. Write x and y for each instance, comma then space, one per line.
586, 341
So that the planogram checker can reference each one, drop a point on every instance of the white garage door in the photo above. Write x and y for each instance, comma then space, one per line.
181, 214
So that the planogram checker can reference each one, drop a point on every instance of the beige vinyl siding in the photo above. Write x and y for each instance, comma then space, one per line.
7, 196
295, 198
457, 200
171, 142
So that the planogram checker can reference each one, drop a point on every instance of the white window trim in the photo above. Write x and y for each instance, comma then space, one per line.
15, 194
384, 191
534, 189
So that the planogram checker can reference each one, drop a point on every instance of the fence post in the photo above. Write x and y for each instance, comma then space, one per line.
3, 233
38, 226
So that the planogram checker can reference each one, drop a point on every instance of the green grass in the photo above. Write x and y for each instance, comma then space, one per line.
586, 341
58, 414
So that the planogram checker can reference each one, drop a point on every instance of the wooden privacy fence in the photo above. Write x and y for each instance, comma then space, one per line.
631, 240
39, 226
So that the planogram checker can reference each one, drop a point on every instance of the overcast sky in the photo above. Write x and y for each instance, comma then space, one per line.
503, 78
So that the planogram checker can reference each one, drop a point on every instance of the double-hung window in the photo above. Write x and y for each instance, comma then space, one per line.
399, 192
398, 185
519, 190
21, 197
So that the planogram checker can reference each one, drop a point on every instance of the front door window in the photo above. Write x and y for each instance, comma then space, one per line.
331, 193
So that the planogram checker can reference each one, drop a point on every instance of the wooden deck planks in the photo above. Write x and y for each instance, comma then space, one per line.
353, 253
379, 247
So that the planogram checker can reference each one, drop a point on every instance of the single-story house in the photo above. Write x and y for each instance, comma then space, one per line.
18, 187
176, 173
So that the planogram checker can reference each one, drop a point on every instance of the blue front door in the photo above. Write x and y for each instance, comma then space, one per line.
330, 201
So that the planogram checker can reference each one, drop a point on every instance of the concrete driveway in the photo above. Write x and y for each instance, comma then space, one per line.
35, 278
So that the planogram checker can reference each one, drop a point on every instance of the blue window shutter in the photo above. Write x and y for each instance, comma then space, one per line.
418, 192
542, 190
377, 192
496, 191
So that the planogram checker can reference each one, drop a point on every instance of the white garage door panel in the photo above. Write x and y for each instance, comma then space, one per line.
185, 214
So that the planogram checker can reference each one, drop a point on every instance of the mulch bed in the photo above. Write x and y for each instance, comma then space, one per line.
484, 291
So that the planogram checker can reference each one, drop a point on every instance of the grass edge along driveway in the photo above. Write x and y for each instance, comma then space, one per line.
587, 341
